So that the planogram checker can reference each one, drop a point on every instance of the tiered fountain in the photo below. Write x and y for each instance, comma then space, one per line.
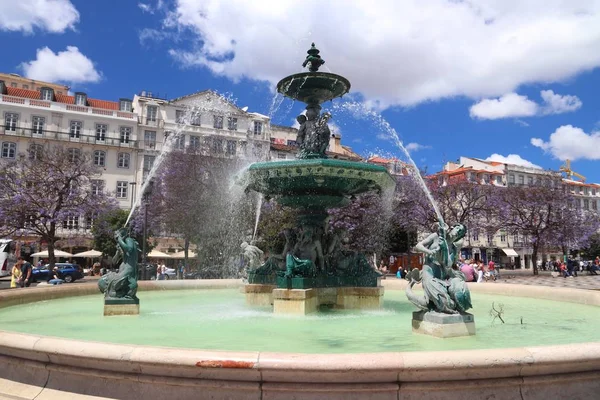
314, 270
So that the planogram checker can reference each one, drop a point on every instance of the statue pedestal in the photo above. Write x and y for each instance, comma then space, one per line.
121, 307
443, 325
359, 298
258, 294
295, 301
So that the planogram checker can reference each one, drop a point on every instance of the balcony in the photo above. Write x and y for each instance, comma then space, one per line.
49, 134
154, 123
62, 107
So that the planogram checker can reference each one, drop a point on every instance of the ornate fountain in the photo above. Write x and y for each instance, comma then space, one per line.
314, 267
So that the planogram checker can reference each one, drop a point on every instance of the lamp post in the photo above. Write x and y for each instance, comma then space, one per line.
146, 199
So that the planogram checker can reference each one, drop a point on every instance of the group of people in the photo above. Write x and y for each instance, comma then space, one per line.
477, 271
21, 274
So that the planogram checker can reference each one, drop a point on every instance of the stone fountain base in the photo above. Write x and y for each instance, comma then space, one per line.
306, 301
443, 325
121, 307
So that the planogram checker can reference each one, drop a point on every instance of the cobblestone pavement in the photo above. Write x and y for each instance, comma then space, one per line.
525, 277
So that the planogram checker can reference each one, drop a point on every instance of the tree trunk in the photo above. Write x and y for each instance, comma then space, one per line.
534, 256
186, 248
51, 239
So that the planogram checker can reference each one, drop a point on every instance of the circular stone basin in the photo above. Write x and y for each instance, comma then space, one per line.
300, 182
220, 320
313, 87
549, 336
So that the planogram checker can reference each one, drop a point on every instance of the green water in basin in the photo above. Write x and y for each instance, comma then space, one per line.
220, 319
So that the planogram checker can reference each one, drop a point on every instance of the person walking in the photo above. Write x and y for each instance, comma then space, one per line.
25, 272
15, 276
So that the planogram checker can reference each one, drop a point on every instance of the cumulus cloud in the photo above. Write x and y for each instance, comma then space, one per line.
416, 147
507, 106
65, 66
570, 142
512, 105
514, 159
54, 16
395, 53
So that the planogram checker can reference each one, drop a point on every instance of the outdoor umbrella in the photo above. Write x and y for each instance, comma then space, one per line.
181, 255
157, 254
89, 254
57, 253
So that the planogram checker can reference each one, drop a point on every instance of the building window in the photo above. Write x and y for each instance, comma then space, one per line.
511, 179
530, 180
179, 142
47, 94
101, 130
25, 86
585, 191
125, 134
503, 237
218, 121
97, 186
217, 146
75, 129
10, 121
194, 142
281, 156
258, 126
196, 119
74, 155
521, 180
593, 192
148, 162
257, 150
499, 179
231, 147
80, 99
71, 222
35, 151
594, 205
125, 105
123, 160
122, 189
475, 236
180, 116
13, 84
90, 219
292, 143
151, 113
150, 139
99, 158
232, 123
9, 150
37, 125
586, 204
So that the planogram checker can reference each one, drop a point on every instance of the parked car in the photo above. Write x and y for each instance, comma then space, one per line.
70, 272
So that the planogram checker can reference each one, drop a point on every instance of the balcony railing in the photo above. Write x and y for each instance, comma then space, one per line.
152, 122
109, 140
55, 106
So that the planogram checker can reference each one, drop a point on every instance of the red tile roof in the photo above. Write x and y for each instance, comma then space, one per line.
26, 93
107, 105
61, 98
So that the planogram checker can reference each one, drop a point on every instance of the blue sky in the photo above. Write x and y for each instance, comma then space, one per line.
494, 78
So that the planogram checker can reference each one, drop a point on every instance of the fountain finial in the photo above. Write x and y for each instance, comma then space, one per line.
314, 59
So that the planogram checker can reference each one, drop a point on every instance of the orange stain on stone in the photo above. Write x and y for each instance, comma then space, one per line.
224, 364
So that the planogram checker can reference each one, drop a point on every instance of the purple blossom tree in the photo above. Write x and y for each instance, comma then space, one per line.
39, 193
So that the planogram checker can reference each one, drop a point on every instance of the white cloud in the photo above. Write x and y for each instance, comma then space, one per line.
65, 66
512, 105
54, 16
507, 106
395, 53
514, 159
416, 147
149, 8
557, 104
571, 142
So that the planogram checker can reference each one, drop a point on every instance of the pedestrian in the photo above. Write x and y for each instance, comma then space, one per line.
56, 277
161, 270
15, 274
492, 270
469, 272
25, 272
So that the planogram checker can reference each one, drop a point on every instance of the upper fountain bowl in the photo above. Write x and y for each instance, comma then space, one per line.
313, 87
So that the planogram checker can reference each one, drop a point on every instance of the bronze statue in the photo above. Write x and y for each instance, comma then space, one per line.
444, 289
122, 284
313, 133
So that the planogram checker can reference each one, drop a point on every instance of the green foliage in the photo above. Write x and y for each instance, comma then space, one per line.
105, 227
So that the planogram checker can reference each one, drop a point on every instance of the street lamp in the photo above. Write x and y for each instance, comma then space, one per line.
146, 198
